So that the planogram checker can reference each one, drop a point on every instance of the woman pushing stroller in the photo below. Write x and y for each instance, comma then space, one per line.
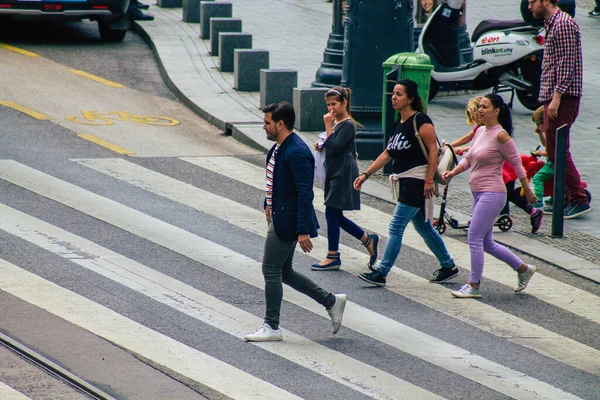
414, 174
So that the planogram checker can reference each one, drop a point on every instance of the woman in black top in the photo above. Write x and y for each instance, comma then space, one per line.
415, 175
341, 169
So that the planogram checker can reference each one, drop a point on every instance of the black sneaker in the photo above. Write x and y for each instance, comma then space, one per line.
443, 274
536, 220
595, 12
374, 278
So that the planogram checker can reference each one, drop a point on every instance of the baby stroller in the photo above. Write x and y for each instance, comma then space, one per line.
504, 222
532, 165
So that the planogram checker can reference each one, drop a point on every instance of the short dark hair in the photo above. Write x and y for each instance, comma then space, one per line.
282, 111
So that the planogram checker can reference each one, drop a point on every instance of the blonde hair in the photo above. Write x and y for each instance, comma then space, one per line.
472, 109
538, 116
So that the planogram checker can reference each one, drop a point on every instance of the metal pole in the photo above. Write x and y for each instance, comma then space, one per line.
558, 206
390, 114
337, 27
330, 72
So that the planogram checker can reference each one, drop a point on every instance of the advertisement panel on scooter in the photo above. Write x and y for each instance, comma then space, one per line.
501, 48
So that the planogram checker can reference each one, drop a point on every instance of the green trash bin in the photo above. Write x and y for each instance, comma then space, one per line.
414, 66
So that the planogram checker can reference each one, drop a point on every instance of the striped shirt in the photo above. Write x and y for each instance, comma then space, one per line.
270, 170
562, 67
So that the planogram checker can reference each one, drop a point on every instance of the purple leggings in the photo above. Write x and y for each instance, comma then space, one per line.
486, 207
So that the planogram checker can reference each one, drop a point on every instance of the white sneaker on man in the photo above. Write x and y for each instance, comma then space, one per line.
336, 312
264, 334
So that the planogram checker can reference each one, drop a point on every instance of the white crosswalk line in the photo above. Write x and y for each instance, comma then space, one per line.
477, 314
493, 375
131, 335
8, 393
184, 298
556, 293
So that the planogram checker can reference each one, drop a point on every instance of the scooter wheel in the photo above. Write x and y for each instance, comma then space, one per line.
439, 226
434, 87
504, 223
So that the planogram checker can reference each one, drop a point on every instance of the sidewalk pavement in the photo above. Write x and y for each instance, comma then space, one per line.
295, 32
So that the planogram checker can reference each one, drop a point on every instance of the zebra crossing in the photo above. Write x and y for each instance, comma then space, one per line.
333, 359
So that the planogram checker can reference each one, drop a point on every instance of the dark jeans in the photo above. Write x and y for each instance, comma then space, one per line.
567, 112
514, 196
335, 221
277, 269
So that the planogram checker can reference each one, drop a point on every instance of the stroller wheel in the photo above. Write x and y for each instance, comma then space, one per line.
504, 223
439, 226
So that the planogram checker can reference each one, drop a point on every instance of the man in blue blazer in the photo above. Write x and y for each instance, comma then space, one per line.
291, 219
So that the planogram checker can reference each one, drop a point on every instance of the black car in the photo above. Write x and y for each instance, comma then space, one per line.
112, 15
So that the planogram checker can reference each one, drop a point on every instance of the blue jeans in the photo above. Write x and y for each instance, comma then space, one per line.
335, 221
403, 214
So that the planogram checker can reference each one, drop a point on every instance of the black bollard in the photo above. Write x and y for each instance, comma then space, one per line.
558, 202
330, 72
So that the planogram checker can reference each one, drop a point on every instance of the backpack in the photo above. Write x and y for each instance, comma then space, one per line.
446, 158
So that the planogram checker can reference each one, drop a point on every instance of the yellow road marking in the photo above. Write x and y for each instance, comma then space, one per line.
104, 143
96, 78
25, 110
18, 50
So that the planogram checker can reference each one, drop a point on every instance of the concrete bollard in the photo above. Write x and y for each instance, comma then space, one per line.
191, 11
212, 9
218, 25
246, 68
309, 105
228, 42
277, 85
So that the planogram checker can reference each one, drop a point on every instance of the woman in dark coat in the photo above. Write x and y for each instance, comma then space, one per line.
341, 169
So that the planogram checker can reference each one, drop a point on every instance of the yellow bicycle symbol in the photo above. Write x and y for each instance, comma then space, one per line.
96, 118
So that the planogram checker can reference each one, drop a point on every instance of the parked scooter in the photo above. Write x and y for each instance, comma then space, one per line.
507, 55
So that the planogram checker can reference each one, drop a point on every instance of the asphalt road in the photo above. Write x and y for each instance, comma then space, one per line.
146, 266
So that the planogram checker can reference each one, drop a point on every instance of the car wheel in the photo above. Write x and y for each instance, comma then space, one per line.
110, 35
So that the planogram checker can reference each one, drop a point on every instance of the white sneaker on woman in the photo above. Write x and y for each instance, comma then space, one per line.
467, 292
525, 277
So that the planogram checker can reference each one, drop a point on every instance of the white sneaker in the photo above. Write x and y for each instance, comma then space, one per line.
467, 292
264, 334
525, 277
336, 313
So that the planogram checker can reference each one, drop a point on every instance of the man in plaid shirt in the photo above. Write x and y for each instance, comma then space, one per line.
560, 91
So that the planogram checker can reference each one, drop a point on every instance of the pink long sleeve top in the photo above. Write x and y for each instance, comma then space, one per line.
485, 158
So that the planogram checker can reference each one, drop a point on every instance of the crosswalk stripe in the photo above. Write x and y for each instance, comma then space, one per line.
478, 314
360, 319
129, 334
559, 294
8, 393
184, 298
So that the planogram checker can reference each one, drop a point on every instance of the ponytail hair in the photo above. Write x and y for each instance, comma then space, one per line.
504, 116
340, 94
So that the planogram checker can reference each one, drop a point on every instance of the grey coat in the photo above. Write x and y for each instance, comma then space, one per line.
341, 168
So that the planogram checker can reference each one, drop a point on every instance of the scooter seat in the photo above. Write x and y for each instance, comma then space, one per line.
488, 25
